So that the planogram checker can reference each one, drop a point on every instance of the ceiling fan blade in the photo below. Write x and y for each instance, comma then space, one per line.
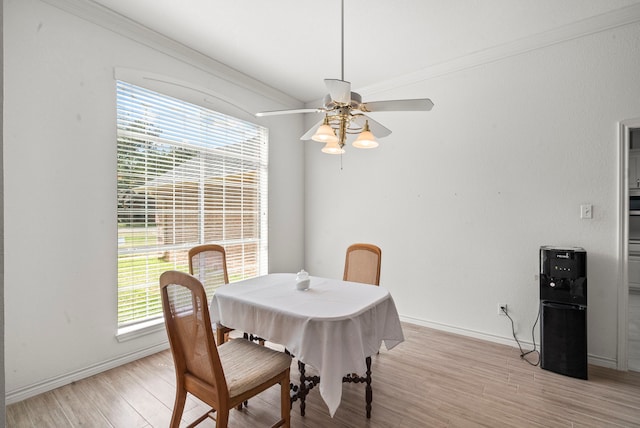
310, 132
422, 104
340, 90
294, 111
378, 130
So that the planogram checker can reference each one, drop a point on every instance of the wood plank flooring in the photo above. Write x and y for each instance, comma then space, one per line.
433, 379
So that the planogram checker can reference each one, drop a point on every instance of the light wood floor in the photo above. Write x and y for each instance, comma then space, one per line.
433, 379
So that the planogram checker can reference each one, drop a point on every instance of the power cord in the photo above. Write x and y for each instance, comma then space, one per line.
523, 354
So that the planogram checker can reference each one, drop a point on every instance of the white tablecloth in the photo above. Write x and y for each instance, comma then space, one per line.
333, 326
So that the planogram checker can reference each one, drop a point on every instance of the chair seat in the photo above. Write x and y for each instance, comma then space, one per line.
246, 364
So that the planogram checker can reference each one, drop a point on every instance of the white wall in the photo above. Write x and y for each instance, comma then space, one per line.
60, 174
461, 198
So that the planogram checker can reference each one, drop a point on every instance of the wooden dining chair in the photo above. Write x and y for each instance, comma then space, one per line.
221, 376
362, 264
208, 263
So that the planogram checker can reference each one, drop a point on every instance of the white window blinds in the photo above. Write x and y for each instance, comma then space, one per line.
186, 176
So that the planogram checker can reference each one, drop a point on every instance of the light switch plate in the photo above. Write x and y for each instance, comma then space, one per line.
586, 211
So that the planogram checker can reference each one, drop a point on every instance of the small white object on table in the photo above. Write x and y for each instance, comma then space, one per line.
332, 326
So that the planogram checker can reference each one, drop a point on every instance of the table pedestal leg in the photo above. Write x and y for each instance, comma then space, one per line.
369, 391
302, 391
308, 383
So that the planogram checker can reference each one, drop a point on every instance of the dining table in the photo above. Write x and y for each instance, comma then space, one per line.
333, 326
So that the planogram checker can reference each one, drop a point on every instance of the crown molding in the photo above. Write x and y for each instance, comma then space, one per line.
110, 20
607, 21
126, 27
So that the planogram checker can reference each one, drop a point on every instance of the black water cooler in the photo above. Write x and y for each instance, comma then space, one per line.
563, 311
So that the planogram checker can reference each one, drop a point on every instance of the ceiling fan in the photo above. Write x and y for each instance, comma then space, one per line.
344, 113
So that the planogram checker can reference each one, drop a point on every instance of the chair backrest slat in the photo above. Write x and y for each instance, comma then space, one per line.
188, 324
208, 263
362, 264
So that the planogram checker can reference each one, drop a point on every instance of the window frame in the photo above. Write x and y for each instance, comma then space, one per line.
126, 331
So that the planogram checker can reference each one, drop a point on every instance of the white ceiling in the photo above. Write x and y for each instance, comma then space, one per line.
292, 45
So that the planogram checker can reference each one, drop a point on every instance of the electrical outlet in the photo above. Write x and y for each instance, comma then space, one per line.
500, 306
586, 211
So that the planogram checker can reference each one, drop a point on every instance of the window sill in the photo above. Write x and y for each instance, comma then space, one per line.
141, 329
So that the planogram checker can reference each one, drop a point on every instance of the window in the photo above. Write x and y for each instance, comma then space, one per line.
186, 176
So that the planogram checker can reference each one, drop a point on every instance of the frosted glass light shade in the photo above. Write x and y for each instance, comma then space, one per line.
325, 134
332, 148
365, 140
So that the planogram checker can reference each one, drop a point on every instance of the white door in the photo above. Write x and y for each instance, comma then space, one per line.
629, 289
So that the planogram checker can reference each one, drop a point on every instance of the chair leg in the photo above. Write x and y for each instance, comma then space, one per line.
219, 336
285, 401
222, 418
178, 406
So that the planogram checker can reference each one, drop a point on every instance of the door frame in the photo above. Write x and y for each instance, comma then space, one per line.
624, 138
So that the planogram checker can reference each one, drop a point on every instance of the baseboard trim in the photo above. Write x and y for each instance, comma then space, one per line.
28, 391
596, 360
462, 331
46, 385
609, 363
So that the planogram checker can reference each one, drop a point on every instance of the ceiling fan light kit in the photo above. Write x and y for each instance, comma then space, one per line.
344, 114
333, 148
365, 140
325, 133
